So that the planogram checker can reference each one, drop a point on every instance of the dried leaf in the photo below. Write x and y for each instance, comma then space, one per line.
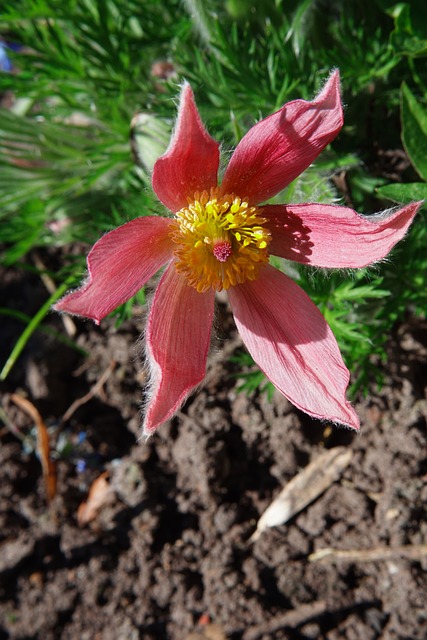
43, 445
98, 495
308, 485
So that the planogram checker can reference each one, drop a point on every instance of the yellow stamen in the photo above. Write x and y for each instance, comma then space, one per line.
221, 241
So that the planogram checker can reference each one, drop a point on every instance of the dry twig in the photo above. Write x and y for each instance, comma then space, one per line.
90, 394
293, 618
68, 323
410, 551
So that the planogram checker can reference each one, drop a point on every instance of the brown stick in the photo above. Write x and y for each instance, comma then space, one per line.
293, 618
69, 325
90, 394
410, 551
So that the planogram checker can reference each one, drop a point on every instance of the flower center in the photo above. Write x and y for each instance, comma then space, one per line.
221, 241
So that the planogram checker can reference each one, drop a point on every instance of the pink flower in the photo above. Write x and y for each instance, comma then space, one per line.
220, 237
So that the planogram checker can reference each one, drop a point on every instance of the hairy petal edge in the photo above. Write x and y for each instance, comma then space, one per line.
191, 161
276, 150
177, 344
333, 236
119, 265
293, 345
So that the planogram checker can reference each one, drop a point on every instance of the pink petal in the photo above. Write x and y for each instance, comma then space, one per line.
332, 236
191, 161
277, 149
291, 342
177, 344
119, 264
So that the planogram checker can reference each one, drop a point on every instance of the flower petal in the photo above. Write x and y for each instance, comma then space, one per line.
119, 264
332, 236
291, 342
280, 147
191, 161
177, 343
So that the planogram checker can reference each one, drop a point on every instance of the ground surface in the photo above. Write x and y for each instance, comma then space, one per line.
169, 555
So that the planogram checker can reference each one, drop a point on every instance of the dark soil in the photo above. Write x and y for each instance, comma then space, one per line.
169, 553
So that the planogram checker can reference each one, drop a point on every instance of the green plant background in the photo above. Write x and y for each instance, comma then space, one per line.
75, 156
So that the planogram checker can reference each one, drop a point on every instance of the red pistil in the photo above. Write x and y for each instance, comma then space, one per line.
222, 251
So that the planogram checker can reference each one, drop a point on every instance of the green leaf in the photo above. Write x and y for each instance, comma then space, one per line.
351, 290
300, 25
405, 39
32, 326
404, 192
414, 131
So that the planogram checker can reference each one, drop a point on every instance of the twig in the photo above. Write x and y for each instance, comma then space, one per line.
69, 325
410, 551
293, 618
91, 393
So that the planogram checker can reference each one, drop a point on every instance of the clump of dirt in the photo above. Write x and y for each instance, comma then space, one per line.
169, 552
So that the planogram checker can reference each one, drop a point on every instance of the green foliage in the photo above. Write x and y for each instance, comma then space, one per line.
414, 131
251, 379
409, 36
409, 282
414, 139
75, 158
32, 326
